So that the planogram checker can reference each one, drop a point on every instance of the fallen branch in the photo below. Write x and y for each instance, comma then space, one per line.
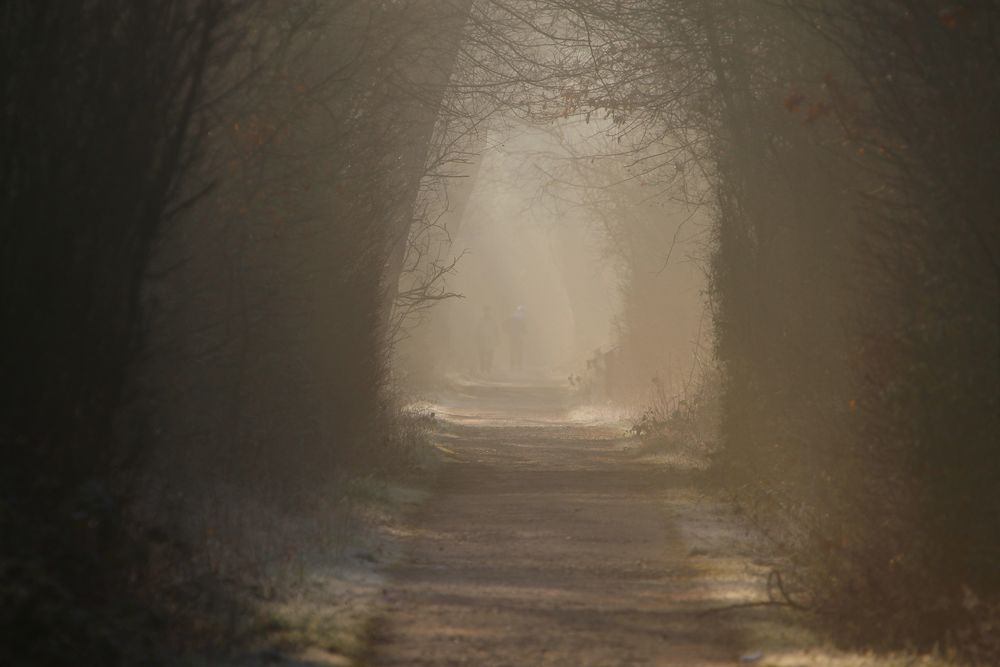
749, 605
774, 580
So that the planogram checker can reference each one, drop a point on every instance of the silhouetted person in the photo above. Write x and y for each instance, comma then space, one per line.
515, 335
487, 336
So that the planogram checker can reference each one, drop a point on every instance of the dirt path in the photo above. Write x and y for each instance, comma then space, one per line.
552, 542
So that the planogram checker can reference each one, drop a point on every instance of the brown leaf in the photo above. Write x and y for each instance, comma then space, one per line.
794, 101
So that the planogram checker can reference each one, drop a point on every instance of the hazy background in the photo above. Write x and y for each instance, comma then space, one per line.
532, 234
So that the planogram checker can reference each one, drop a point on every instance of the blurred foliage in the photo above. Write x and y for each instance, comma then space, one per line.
203, 206
858, 307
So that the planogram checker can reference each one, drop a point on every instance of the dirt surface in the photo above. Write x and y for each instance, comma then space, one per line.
553, 540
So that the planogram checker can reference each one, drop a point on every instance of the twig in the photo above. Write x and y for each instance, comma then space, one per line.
774, 580
774, 576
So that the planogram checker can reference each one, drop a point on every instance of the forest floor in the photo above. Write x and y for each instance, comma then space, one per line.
549, 538
553, 539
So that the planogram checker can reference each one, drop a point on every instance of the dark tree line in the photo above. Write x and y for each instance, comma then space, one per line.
204, 207
101, 102
273, 324
857, 297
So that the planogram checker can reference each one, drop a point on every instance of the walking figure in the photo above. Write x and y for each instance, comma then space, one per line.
515, 333
487, 335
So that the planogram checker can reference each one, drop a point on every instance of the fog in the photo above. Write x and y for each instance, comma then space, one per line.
530, 242
522, 257
499, 332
